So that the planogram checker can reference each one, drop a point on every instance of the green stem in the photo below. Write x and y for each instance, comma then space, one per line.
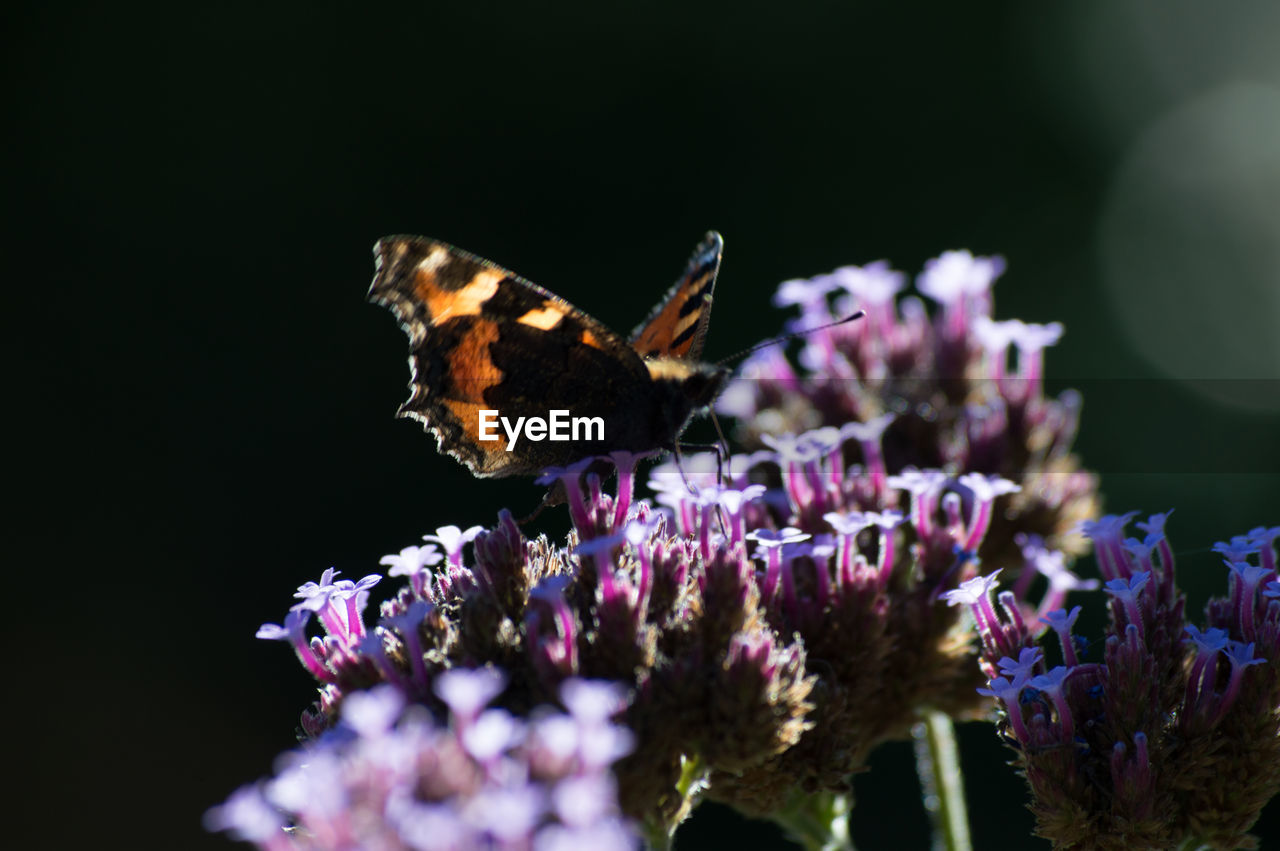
658, 832
818, 821
938, 766
656, 836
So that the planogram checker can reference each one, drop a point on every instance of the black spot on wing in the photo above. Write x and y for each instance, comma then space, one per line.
694, 303
684, 336
513, 300
458, 271
696, 300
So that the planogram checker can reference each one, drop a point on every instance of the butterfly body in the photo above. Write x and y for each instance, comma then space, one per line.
485, 340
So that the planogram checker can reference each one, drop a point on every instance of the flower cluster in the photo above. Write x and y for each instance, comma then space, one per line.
1173, 734
768, 639
389, 777
773, 616
941, 388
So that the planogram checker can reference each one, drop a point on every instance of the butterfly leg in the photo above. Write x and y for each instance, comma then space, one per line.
532, 515
724, 447
721, 457
555, 496
675, 451
720, 461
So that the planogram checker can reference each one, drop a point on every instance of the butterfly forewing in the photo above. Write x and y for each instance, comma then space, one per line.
483, 338
677, 327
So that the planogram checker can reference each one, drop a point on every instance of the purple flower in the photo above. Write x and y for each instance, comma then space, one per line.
592, 704
869, 432
571, 478
294, 631
1052, 684
314, 595
247, 816
1239, 548
412, 559
1265, 537
1031, 338
604, 544
584, 800
453, 539
869, 436
413, 563
1244, 586
1009, 692
490, 734
850, 524
610, 835
976, 594
872, 284
1061, 622
804, 291
1210, 641
793, 449
956, 274
985, 490
1107, 534
925, 487
399, 780
467, 691
1154, 525
1215, 707
342, 615
775, 547
994, 337
1127, 592
407, 625
1051, 564
373, 713
1028, 659
551, 630
961, 283
733, 502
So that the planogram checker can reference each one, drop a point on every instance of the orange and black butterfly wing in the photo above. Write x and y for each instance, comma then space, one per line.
677, 327
480, 338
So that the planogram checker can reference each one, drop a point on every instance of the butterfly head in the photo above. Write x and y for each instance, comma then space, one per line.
688, 385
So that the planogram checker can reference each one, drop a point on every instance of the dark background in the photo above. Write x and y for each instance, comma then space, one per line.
206, 401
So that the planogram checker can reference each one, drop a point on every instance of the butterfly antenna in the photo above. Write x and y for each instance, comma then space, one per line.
792, 336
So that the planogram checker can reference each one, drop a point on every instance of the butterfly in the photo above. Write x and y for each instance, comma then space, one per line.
488, 348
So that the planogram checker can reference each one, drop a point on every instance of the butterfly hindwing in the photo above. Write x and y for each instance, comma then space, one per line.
677, 327
482, 338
